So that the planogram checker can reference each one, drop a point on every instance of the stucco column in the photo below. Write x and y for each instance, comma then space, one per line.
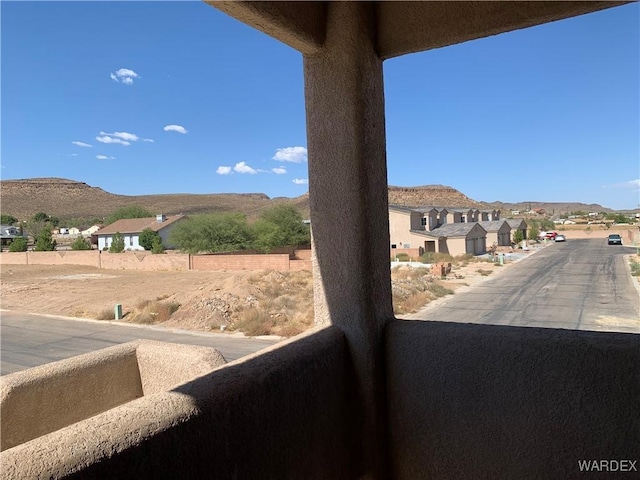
349, 207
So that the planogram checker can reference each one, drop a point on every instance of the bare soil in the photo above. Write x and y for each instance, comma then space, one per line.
270, 302
208, 300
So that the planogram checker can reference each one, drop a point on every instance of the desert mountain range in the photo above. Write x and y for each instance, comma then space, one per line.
66, 199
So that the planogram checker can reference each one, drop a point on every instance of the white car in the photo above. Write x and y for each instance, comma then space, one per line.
560, 238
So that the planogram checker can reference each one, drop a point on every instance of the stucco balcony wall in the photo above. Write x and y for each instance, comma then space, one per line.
287, 412
44, 399
481, 401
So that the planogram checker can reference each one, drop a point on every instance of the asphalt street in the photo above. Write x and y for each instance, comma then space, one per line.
30, 340
579, 285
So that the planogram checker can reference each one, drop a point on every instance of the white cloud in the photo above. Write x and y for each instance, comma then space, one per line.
82, 144
291, 154
300, 181
104, 157
279, 170
72, 155
242, 167
223, 170
107, 139
124, 75
129, 137
175, 128
632, 184
150, 140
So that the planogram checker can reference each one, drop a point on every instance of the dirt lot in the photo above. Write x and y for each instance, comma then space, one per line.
256, 303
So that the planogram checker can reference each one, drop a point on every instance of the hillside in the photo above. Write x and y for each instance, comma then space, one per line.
68, 199
429, 195
549, 207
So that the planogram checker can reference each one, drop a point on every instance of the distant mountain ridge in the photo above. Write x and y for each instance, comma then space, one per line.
67, 199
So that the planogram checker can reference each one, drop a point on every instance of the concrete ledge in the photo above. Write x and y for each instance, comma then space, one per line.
286, 412
482, 401
44, 399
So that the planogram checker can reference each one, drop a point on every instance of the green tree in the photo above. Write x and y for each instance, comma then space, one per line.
533, 232
148, 237
518, 237
40, 217
44, 241
221, 232
117, 243
280, 226
8, 219
133, 211
81, 243
18, 245
618, 217
157, 246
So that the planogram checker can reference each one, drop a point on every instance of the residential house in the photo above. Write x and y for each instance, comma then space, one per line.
90, 231
74, 231
8, 233
518, 224
131, 228
498, 232
435, 229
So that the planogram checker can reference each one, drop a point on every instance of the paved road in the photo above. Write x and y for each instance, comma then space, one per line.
30, 340
580, 284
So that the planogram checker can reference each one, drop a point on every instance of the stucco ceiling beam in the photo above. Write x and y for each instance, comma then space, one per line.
408, 27
301, 25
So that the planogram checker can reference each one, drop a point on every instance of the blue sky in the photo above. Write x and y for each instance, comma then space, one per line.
176, 97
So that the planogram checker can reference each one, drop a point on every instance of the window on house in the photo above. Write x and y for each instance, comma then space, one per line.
423, 221
393, 245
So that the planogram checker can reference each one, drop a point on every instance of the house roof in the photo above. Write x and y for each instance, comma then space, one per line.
494, 225
137, 225
450, 230
516, 223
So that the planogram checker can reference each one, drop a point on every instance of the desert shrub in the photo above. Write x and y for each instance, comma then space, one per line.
635, 268
402, 257
148, 237
81, 243
427, 257
483, 272
117, 243
157, 246
106, 314
254, 321
18, 245
154, 311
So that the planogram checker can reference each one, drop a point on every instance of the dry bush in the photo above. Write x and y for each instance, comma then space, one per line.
282, 305
413, 288
153, 311
484, 273
106, 314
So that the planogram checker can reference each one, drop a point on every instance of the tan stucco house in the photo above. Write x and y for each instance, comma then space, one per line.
436, 229
517, 224
498, 232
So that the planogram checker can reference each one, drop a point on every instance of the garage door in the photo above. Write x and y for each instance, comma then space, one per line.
482, 246
470, 246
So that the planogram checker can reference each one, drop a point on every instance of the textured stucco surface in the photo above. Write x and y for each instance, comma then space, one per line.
43, 399
285, 413
479, 401
344, 96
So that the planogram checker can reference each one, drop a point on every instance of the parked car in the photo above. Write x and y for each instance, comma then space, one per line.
614, 239
560, 238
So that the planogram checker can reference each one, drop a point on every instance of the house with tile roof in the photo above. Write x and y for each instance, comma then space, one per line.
131, 228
